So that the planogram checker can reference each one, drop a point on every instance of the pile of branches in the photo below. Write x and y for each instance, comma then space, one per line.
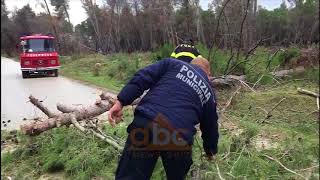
82, 118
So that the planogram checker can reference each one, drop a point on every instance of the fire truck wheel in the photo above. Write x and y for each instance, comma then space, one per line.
25, 74
55, 73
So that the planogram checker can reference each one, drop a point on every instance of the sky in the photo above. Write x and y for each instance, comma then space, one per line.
78, 14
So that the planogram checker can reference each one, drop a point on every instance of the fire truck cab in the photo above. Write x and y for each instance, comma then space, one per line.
38, 55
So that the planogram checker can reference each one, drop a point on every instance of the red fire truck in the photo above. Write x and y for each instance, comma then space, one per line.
38, 55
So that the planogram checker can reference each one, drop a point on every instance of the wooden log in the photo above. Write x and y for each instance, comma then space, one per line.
228, 80
65, 109
231, 80
309, 93
284, 73
37, 127
39, 105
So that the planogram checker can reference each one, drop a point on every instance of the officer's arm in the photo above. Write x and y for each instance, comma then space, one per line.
144, 79
209, 128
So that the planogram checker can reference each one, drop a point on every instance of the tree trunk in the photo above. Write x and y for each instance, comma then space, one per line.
68, 17
89, 7
65, 118
53, 27
241, 29
200, 34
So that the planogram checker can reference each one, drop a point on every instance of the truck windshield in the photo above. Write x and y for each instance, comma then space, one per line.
39, 45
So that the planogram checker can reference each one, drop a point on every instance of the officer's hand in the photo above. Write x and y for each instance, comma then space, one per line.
115, 113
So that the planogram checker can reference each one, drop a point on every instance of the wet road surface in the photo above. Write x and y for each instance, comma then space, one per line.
51, 90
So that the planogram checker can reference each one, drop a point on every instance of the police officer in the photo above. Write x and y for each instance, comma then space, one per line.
179, 98
186, 51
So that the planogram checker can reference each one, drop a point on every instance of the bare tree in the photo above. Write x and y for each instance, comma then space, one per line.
53, 25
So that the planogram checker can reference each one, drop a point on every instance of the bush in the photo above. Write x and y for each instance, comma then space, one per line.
288, 56
202, 48
163, 52
310, 74
122, 68
218, 60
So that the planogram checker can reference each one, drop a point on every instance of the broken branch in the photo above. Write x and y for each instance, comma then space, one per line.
271, 158
35, 128
253, 48
219, 174
273, 108
39, 105
230, 99
306, 92
258, 81
98, 135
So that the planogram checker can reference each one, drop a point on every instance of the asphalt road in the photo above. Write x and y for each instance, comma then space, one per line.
51, 90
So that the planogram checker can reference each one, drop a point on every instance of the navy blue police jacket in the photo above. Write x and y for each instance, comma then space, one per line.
182, 93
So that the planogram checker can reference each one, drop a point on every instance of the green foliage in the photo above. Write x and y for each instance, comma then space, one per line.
116, 69
163, 51
287, 56
218, 60
312, 74
202, 48
7, 158
80, 156
251, 129
53, 164
122, 68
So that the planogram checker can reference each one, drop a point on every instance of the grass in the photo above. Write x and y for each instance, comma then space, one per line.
115, 69
290, 135
293, 128
15, 57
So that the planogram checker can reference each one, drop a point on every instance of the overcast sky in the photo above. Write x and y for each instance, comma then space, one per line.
77, 13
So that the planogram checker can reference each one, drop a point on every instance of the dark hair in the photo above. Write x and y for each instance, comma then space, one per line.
188, 41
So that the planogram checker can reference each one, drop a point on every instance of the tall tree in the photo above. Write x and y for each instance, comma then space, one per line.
61, 7
7, 34
92, 9
53, 25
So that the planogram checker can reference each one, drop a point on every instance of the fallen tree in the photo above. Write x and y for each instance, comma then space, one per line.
72, 115
65, 118
231, 80
226, 80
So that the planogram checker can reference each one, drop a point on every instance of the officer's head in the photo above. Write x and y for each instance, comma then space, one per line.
202, 63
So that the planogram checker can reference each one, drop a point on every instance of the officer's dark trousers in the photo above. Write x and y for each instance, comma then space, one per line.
137, 164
